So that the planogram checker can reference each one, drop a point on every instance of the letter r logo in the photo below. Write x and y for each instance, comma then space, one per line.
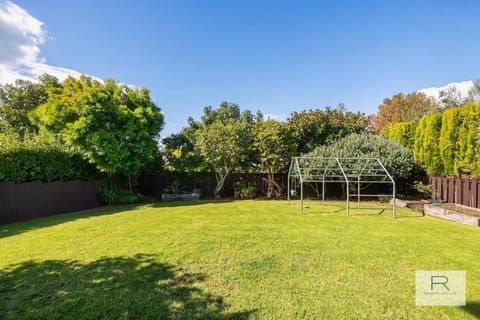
439, 280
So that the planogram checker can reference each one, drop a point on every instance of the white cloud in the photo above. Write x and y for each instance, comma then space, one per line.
21, 36
462, 88
277, 117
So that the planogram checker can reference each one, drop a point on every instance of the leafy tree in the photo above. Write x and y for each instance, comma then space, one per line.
451, 98
273, 142
474, 93
402, 108
180, 153
113, 126
229, 111
397, 159
18, 99
403, 133
312, 128
225, 113
426, 148
223, 145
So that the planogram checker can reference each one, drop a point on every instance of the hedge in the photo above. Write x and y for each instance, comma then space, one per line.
36, 158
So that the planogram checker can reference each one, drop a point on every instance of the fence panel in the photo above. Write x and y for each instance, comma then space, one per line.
154, 184
29, 200
462, 191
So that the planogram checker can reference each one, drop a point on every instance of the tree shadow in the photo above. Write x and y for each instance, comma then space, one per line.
136, 287
42, 222
473, 308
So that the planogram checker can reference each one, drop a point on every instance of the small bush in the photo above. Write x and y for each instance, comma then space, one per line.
111, 193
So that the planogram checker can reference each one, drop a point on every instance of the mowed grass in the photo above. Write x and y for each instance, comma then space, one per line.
234, 260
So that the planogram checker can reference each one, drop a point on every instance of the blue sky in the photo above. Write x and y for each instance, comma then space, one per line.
276, 56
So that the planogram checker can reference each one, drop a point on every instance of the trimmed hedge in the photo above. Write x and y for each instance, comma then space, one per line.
426, 148
36, 158
444, 144
403, 133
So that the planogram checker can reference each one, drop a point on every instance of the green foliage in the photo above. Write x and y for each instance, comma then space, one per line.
223, 146
312, 128
403, 133
426, 148
228, 111
449, 134
397, 159
247, 191
113, 126
467, 157
173, 188
180, 154
402, 108
18, 99
111, 192
273, 142
34, 157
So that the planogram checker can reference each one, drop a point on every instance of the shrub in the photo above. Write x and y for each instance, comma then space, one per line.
403, 133
426, 148
397, 159
110, 192
35, 157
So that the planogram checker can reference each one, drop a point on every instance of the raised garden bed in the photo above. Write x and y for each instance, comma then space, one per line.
454, 212
180, 196
412, 204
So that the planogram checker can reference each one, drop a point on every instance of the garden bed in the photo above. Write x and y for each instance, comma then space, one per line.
454, 212
181, 197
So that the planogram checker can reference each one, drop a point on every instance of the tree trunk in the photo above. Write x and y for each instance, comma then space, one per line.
130, 183
220, 182
270, 184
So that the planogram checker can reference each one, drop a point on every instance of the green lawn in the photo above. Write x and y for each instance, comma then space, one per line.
236, 260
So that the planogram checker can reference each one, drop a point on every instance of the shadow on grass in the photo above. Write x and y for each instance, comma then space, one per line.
138, 287
473, 308
25, 226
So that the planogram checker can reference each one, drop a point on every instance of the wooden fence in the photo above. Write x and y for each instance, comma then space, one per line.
457, 190
153, 185
29, 200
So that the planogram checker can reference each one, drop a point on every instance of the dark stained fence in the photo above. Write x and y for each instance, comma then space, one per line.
24, 201
457, 190
206, 182
153, 185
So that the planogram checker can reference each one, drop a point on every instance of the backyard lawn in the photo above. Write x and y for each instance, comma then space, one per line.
231, 259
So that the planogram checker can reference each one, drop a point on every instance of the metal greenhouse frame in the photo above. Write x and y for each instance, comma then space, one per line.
350, 171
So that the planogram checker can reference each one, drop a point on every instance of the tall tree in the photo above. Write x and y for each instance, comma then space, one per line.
402, 108
223, 145
18, 99
113, 126
451, 98
225, 113
313, 128
273, 142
